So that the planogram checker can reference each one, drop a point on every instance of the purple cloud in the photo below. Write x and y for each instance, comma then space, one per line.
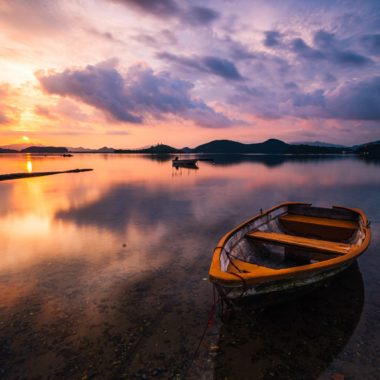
350, 58
193, 15
354, 100
324, 40
100, 86
200, 16
303, 50
315, 98
237, 50
222, 67
161, 8
357, 100
272, 38
140, 94
208, 64
328, 50
372, 43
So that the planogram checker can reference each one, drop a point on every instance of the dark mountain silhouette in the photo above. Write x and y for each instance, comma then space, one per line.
156, 149
5, 150
372, 149
80, 149
271, 146
319, 143
308, 149
45, 149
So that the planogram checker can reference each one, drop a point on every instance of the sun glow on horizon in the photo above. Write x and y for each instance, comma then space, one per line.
184, 79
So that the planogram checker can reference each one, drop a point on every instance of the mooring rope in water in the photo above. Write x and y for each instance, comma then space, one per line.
220, 299
210, 322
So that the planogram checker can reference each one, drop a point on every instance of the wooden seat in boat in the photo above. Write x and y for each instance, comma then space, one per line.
300, 242
237, 266
324, 228
328, 222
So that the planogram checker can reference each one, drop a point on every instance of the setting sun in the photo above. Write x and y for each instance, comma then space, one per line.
25, 138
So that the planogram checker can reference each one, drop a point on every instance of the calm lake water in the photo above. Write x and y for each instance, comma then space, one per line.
103, 274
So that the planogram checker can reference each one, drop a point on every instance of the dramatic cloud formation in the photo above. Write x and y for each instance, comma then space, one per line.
293, 70
140, 94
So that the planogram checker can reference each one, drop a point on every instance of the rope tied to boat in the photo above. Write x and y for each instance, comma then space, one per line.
229, 258
244, 283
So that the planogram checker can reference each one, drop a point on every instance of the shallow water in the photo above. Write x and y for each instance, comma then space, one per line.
103, 274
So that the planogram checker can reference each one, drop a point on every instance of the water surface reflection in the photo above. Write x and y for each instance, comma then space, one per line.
104, 272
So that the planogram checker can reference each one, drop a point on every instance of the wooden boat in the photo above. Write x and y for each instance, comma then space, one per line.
191, 162
286, 250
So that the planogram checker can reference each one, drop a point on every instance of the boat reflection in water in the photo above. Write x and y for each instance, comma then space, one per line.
292, 340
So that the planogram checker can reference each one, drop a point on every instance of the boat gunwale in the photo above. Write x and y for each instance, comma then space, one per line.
264, 274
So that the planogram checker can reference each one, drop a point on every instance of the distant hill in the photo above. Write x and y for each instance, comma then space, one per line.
5, 150
18, 147
271, 146
156, 149
88, 150
80, 150
105, 149
309, 149
319, 143
45, 149
372, 149
227, 146
221, 146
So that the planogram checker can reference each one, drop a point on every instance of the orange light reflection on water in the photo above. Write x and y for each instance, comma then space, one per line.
92, 214
29, 166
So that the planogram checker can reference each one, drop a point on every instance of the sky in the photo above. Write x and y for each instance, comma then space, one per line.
132, 73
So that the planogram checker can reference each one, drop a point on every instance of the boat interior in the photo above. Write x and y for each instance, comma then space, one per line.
290, 236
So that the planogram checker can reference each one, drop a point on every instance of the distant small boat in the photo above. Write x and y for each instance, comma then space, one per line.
67, 155
192, 162
286, 250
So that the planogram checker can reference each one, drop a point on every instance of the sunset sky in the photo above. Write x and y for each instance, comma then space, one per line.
130, 73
